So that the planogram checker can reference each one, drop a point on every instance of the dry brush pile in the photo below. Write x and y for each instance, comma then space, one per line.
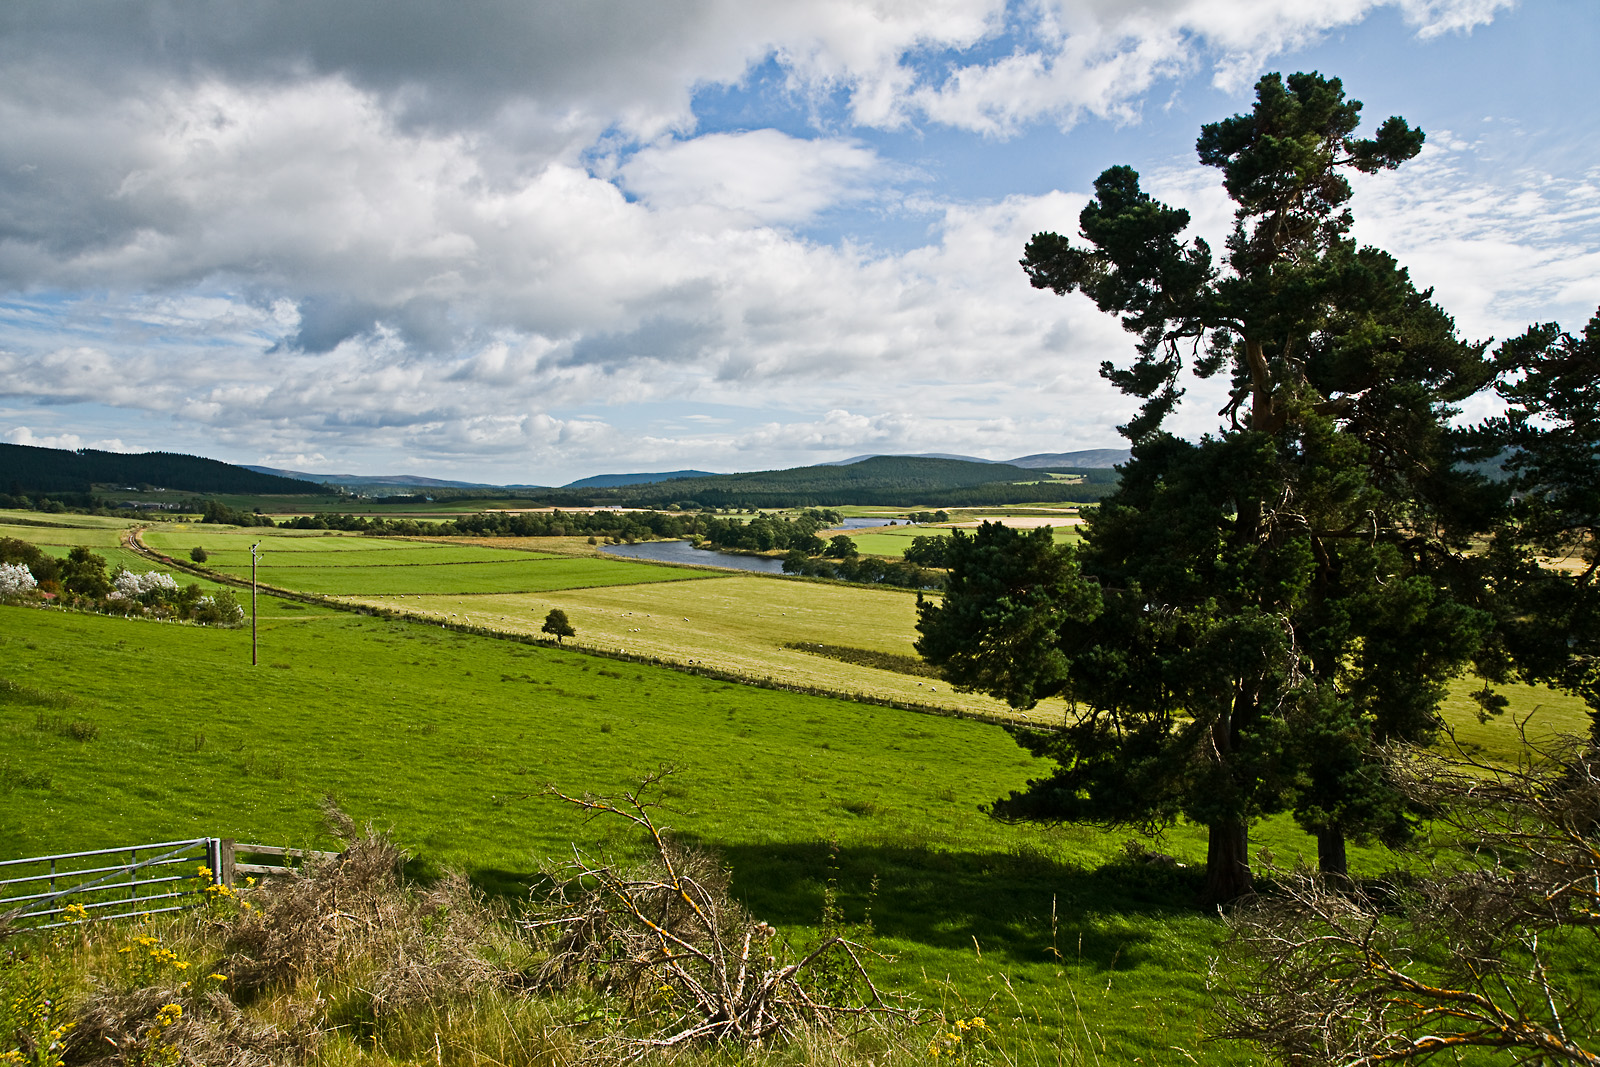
344, 961
667, 937
1490, 952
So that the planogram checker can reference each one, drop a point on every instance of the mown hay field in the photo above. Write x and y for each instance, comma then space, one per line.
892, 541
747, 624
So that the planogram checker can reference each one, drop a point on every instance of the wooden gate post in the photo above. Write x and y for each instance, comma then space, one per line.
225, 861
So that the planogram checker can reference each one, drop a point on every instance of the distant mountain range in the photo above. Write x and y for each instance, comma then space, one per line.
600, 481
378, 481
1101, 458
1098, 458
1095, 458
863, 479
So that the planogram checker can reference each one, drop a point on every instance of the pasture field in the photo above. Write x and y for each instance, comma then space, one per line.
306, 546
523, 576
440, 736
65, 537
100, 534
45, 521
743, 623
353, 565
892, 541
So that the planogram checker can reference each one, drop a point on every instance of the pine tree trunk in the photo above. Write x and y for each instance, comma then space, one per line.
1228, 862
1331, 858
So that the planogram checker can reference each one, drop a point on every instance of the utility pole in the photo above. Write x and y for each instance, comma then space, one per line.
253, 559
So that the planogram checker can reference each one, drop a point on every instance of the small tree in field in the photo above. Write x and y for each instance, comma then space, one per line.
557, 625
198, 554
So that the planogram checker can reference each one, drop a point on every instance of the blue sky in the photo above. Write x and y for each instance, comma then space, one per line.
554, 240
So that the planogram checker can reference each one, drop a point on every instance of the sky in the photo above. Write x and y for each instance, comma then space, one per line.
529, 241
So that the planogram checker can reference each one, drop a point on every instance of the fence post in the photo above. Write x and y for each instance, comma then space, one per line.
224, 866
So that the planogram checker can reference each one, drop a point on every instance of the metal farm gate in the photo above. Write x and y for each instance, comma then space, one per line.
42, 892
105, 883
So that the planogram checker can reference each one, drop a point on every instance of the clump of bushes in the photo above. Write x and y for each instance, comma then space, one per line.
81, 581
345, 960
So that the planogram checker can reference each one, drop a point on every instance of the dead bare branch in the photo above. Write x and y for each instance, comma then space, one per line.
1477, 953
669, 938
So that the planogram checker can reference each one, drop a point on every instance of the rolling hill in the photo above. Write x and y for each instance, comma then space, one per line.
32, 470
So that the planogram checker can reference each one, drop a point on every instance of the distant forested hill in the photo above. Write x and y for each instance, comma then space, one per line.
601, 481
25, 469
895, 481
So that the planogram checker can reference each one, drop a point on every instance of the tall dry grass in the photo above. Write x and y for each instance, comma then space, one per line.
346, 962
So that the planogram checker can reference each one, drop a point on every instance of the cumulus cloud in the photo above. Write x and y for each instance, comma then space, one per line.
1099, 57
317, 230
23, 435
1501, 254
761, 176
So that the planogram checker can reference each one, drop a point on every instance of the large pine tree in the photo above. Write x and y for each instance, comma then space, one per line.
1251, 615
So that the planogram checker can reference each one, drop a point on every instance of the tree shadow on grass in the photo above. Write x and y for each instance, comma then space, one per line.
949, 899
1105, 917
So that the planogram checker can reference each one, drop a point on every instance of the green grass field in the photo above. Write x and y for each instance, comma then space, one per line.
741, 623
101, 535
437, 735
352, 565
44, 521
532, 575
892, 541
440, 736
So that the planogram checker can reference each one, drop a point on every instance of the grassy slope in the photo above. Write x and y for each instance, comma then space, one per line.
437, 734
432, 732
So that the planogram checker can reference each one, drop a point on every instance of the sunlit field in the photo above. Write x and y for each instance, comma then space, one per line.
444, 737
353, 565
892, 541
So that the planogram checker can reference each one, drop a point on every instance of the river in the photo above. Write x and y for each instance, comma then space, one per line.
683, 552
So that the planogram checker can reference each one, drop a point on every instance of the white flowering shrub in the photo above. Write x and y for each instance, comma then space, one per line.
151, 585
16, 578
223, 609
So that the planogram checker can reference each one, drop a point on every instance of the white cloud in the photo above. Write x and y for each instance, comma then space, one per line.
720, 317
762, 176
319, 235
1099, 57
22, 435
1502, 251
